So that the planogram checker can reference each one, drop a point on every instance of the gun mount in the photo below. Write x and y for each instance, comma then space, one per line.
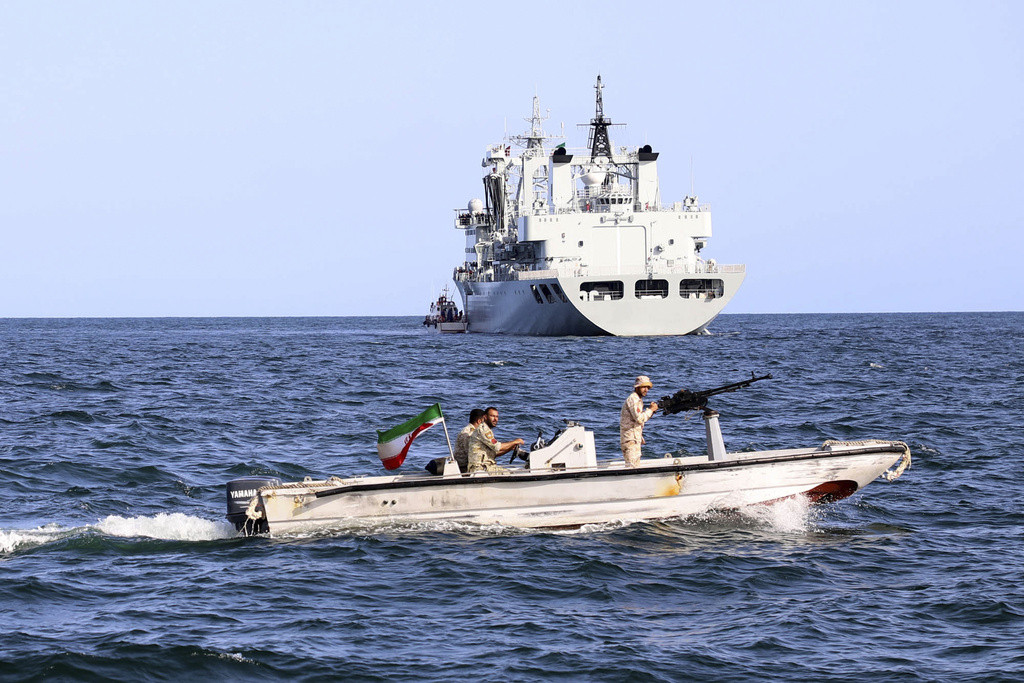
684, 399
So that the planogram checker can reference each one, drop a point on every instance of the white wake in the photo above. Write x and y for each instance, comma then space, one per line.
169, 527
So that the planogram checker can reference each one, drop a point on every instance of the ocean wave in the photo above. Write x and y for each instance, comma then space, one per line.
158, 662
80, 416
20, 539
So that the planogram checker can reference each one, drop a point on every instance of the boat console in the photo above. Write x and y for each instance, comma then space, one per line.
573, 447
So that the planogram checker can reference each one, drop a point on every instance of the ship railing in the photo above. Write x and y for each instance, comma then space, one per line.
464, 218
538, 274
704, 268
585, 201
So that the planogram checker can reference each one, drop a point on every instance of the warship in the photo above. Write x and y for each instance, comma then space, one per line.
578, 242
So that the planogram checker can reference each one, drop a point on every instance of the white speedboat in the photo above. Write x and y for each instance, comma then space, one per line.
563, 484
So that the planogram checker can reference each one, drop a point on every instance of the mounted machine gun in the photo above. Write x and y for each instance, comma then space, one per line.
684, 399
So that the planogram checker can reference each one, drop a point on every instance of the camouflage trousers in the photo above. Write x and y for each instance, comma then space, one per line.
631, 452
486, 465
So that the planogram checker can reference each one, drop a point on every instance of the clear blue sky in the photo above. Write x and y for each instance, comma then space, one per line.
304, 158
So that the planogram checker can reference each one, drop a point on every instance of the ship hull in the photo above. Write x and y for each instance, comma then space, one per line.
517, 307
656, 489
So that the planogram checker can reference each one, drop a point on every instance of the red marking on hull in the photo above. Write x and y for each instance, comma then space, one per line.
829, 492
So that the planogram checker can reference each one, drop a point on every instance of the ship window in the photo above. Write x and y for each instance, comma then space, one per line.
651, 289
547, 294
705, 287
536, 294
559, 293
671, 242
602, 291
581, 243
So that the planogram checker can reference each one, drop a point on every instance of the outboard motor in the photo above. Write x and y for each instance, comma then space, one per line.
240, 493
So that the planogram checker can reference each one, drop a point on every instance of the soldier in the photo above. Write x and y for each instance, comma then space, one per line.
476, 416
632, 419
483, 447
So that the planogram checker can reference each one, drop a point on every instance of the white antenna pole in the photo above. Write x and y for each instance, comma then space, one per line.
691, 175
451, 452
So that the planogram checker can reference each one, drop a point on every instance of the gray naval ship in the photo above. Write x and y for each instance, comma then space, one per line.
578, 242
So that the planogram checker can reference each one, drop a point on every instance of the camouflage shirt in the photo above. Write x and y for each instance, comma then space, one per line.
632, 418
462, 446
482, 445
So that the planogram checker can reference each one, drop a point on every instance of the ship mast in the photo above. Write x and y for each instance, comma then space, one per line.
535, 137
600, 145
532, 182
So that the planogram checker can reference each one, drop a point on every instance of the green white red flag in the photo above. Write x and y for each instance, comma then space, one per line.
393, 444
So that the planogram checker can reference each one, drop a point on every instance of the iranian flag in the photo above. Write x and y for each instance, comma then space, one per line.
393, 445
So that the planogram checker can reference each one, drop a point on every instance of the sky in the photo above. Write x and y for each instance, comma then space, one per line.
304, 158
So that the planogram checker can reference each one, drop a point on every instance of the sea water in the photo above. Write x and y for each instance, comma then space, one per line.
117, 436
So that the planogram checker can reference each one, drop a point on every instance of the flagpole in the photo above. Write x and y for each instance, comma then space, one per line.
451, 453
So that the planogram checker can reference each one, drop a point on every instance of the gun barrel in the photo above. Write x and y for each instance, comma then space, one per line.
735, 385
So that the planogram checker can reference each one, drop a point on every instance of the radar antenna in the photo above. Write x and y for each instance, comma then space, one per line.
535, 137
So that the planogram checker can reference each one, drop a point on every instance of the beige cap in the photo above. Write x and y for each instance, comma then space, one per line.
642, 381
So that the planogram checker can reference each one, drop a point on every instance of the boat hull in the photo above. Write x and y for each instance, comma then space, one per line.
447, 328
516, 307
656, 489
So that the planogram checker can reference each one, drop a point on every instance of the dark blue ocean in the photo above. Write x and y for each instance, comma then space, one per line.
117, 436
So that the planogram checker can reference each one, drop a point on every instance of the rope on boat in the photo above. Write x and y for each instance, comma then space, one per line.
888, 475
251, 512
307, 484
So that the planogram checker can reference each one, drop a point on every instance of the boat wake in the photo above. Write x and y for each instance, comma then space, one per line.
14, 539
790, 515
786, 516
166, 527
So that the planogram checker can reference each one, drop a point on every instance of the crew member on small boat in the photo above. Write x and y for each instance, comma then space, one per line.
484, 448
632, 419
476, 416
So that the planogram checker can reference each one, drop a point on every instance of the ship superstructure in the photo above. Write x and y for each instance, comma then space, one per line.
578, 242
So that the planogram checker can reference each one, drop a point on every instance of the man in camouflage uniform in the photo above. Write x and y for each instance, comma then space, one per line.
476, 416
483, 447
632, 419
